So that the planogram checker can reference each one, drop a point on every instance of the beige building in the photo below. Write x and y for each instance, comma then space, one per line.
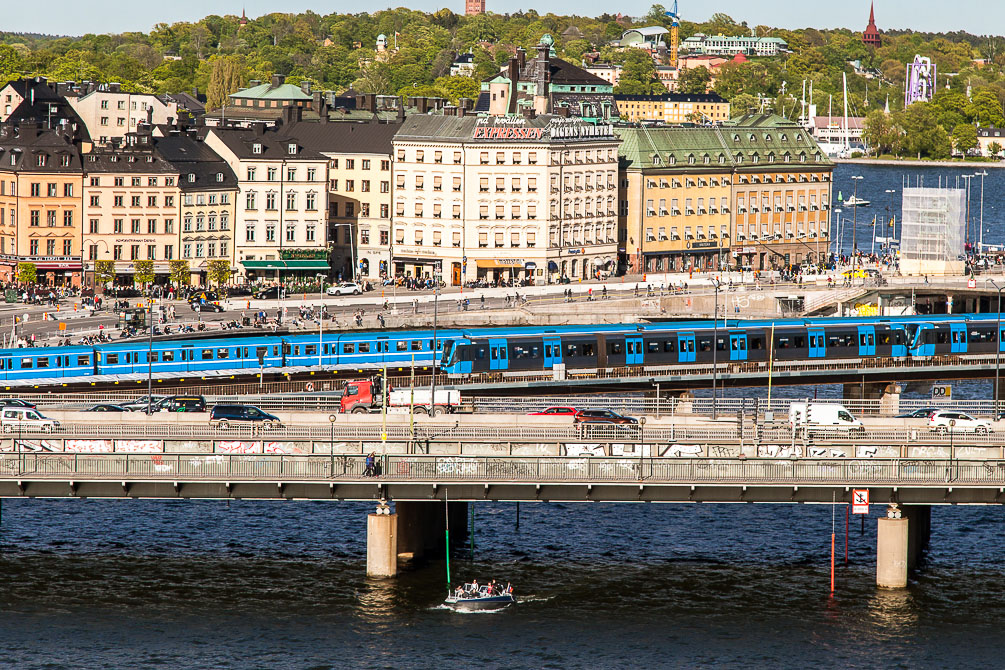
131, 208
673, 108
495, 198
110, 113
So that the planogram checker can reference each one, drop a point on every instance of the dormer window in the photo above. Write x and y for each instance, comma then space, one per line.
291, 148
785, 138
767, 138
40, 160
191, 177
256, 148
64, 161
219, 176
736, 138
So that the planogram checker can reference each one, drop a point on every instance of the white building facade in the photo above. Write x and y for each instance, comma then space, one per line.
109, 113
503, 198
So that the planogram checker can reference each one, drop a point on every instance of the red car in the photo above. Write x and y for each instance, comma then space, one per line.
557, 411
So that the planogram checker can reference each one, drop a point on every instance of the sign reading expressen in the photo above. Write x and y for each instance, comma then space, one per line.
507, 133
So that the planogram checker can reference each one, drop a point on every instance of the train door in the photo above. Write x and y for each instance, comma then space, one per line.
552, 352
866, 341
498, 358
633, 351
685, 347
383, 350
958, 338
737, 346
187, 356
818, 344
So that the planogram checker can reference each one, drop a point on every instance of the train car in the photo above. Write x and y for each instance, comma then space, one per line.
190, 355
47, 362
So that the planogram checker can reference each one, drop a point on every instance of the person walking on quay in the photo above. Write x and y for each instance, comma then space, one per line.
370, 470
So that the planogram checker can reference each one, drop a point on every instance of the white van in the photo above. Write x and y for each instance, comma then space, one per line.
17, 419
823, 416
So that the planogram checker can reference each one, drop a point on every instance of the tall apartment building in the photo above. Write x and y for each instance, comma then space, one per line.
498, 198
673, 108
754, 192
40, 203
130, 208
207, 205
110, 113
282, 203
359, 191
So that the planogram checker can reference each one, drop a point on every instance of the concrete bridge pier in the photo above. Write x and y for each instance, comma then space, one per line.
900, 538
414, 532
887, 394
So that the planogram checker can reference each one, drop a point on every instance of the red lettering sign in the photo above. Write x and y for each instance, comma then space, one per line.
507, 133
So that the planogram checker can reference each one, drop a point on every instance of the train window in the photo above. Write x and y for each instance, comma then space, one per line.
704, 345
296, 350
348, 348
364, 347
871, 339
653, 347
223, 353
755, 343
668, 346
416, 345
720, 344
113, 359
244, 352
207, 354
83, 360
27, 363
547, 350
168, 356
783, 343
736, 343
743, 344
519, 351
311, 350
588, 349
690, 345
42, 362
152, 356
480, 353
942, 337
615, 348
799, 341
571, 350
275, 350
535, 351
401, 345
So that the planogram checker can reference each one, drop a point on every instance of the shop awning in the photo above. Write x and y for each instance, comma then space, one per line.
503, 263
286, 265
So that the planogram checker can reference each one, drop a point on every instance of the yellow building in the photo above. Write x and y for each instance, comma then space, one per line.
673, 108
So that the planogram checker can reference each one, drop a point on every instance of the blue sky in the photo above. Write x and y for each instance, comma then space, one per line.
74, 17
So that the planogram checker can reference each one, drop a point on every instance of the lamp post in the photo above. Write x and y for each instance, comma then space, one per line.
321, 319
432, 385
642, 443
998, 343
715, 346
980, 239
968, 177
889, 218
854, 227
840, 233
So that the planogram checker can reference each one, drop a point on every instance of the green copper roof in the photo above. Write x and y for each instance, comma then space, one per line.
268, 91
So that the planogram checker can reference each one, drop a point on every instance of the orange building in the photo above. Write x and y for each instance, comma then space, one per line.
41, 184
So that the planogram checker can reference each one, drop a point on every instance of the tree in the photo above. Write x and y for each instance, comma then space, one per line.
143, 272
180, 273
985, 109
11, 63
104, 272
965, 138
455, 88
638, 74
228, 75
880, 133
994, 150
218, 272
694, 80
26, 273
742, 103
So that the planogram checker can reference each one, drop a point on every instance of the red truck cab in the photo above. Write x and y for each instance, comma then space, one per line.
360, 396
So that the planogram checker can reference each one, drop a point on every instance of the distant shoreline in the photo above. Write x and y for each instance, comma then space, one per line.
917, 163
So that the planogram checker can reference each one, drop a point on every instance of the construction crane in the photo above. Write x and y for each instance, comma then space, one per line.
674, 28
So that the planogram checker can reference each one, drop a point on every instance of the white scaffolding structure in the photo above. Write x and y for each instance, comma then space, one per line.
932, 230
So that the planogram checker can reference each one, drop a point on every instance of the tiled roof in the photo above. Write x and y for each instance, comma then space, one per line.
241, 141
268, 91
25, 144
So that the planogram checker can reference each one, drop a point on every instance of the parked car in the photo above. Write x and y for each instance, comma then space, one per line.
945, 421
16, 402
603, 416
225, 416
345, 288
106, 407
922, 413
556, 411
16, 419
206, 306
182, 403
818, 417
269, 293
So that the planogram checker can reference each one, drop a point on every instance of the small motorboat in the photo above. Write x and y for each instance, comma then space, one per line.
856, 202
471, 597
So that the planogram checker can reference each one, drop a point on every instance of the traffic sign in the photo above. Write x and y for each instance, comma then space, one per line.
860, 501
942, 392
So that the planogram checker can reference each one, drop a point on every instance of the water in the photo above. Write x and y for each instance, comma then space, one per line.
207, 584
877, 179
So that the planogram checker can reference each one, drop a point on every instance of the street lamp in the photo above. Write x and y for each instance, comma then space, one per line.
998, 343
840, 235
854, 226
889, 219
432, 385
642, 443
982, 174
715, 345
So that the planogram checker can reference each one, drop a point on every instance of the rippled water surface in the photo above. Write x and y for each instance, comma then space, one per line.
178, 584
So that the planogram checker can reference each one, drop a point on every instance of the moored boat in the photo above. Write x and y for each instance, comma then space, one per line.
471, 597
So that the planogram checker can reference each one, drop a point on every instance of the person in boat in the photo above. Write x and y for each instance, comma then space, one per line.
488, 589
459, 591
474, 587
509, 588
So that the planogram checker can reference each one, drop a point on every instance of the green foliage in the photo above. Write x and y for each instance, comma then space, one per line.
994, 150
26, 273
104, 272
218, 272
694, 80
638, 75
964, 138
227, 75
179, 272
143, 272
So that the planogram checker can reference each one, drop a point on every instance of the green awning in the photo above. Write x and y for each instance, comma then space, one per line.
286, 265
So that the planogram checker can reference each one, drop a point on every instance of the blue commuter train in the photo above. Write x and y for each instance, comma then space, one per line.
522, 349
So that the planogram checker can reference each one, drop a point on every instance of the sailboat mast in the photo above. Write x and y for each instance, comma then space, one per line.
446, 516
844, 77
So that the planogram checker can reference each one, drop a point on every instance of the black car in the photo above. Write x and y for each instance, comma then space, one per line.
106, 407
182, 403
269, 293
225, 416
922, 413
16, 402
603, 416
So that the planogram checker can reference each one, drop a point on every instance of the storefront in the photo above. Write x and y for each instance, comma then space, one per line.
292, 265
58, 272
415, 263
494, 270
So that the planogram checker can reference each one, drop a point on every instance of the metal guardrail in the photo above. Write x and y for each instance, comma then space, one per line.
484, 470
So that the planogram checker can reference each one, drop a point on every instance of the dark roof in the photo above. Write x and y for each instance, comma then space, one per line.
672, 97
562, 72
482, 104
188, 101
274, 146
464, 58
141, 157
26, 143
191, 156
461, 128
372, 138
42, 104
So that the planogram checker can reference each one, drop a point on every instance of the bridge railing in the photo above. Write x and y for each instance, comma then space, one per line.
489, 470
